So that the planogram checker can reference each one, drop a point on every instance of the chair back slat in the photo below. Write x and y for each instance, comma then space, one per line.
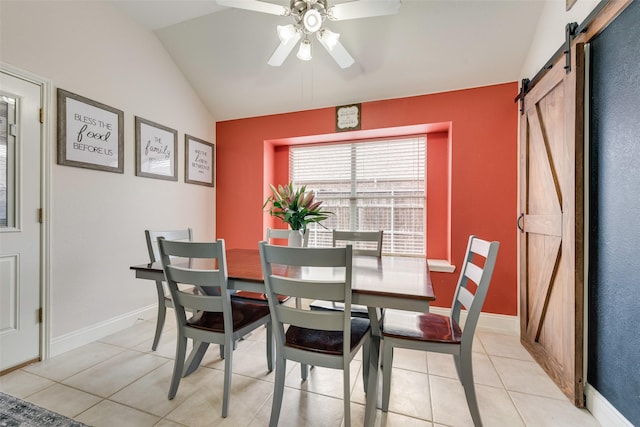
330, 321
202, 278
200, 302
473, 272
281, 233
365, 243
332, 291
480, 247
195, 249
307, 257
465, 297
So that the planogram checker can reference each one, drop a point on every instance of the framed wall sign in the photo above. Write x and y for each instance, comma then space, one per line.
199, 161
348, 117
156, 149
90, 134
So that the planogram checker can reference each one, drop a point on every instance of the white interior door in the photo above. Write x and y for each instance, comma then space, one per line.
20, 227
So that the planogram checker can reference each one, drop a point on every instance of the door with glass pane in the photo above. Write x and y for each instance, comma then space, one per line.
20, 228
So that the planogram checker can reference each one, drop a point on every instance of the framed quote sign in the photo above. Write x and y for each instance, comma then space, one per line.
348, 117
90, 134
156, 148
199, 161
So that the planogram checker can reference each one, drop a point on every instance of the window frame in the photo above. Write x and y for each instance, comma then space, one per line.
415, 197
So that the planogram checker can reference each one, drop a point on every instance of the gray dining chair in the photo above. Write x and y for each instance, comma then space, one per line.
318, 338
283, 234
164, 297
365, 243
443, 334
218, 318
272, 234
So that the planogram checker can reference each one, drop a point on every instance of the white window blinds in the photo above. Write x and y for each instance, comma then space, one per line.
368, 186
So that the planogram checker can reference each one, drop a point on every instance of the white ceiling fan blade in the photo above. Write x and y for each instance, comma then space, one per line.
256, 6
363, 9
338, 53
283, 50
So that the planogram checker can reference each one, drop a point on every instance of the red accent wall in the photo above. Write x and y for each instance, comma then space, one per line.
480, 188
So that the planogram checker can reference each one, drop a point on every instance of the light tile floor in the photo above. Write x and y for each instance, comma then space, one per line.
119, 381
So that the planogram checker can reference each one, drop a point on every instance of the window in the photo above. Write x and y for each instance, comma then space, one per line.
7, 160
368, 186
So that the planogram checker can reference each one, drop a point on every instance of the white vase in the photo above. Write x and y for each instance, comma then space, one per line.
295, 238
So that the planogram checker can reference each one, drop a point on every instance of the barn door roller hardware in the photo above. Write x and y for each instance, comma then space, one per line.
569, 35
523, 91
571, 30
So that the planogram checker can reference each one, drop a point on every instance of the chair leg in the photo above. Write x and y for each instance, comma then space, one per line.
456, 362
466, 377
366, 348
304, 371
269, 347
228, 366
387, 361
181, 349
346, 395
278, 391
162, 314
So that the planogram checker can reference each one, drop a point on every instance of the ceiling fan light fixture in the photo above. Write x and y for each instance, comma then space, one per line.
328, 38
309, 16
304, 51
312, 20
286, 32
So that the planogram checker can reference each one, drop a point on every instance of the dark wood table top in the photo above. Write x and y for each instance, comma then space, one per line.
388, 276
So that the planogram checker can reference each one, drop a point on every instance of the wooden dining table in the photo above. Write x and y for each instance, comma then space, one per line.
394, 282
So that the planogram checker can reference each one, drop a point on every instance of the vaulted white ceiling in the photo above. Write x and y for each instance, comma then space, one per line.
430, 46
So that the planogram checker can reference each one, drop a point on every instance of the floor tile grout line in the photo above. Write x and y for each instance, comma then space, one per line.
56, 382
534, 363
504, 387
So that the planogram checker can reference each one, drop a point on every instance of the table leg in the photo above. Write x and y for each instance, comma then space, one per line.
195, 357
374, 367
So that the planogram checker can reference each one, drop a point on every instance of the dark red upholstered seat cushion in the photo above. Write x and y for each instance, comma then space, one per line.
329, 342
420, 327
244, 313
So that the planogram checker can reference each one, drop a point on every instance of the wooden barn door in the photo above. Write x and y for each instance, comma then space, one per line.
551, 207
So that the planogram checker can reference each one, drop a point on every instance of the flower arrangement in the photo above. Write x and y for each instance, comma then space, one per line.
295, 207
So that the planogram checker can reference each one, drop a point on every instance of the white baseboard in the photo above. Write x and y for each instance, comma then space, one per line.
500, 323
602, 410
92, 333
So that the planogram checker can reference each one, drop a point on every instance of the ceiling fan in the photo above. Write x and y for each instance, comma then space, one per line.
309, 17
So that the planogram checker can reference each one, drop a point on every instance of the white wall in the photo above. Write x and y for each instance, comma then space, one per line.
549, 35
98, 218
